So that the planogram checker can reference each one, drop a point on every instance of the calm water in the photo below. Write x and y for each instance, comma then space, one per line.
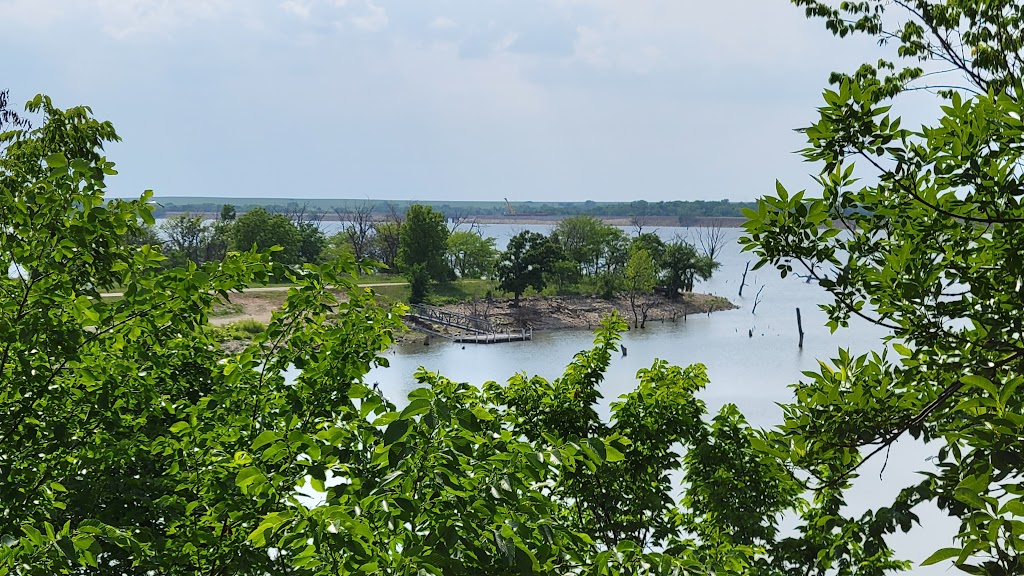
751, 372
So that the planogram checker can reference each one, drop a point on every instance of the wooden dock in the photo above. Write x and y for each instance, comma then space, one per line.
496, 337
473, 329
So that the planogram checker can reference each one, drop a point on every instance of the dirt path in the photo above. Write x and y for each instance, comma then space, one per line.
273, 288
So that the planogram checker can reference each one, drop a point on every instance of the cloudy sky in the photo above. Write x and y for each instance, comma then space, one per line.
570, 100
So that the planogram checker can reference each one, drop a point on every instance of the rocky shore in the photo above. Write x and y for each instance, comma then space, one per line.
576, 312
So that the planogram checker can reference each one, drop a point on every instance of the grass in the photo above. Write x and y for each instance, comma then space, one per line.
459, 291
440, 294
223, 308
247, 326
388, 295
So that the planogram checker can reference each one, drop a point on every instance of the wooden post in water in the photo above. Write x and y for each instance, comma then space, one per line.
800, 328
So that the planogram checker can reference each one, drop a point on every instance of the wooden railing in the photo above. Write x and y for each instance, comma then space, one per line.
454, 319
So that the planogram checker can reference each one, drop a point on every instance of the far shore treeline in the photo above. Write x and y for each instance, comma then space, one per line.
677, 212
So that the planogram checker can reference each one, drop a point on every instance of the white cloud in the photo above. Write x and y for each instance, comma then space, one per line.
29, 12
119, 18
296, 8
589, 47
639, 35
442, 23
505, 42
374, 20
131, 17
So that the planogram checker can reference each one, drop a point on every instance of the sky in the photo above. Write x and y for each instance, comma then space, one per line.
530, 100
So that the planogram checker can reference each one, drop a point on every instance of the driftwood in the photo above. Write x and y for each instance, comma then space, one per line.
757, 299
800, 328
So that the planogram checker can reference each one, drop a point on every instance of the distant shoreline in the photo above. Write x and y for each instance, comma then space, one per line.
528, 220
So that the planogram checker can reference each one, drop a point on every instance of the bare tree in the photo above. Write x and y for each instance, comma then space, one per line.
387, 235
305, 215
639, 218
358, 227
743, 281
711, 238
463, 218
757, 299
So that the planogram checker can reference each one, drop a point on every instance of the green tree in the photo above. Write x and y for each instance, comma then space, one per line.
189, 238
142, 236
263, 230
312, 243
132, 444
732, 494
423, 239
525, 262
470, 255
683, 266
917, 230
228, 213
638, 279
384, 243
653, 244
596, 247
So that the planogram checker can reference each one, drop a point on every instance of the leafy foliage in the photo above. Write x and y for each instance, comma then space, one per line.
682, 266
930, 249
639, 278
421, 250
262, 230
594, 246
470, 255
190, 238
527, 259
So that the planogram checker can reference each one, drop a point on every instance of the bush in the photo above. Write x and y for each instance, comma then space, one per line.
249, 326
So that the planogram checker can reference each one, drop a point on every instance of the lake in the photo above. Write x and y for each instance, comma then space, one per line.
753, 372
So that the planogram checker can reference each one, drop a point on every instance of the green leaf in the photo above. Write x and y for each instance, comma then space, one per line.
249, 476
265, 437
56, 160
67, 547
940, 555
395, 431
526, 562
968, 496
415, 408
482, 413
981, 382
612, 454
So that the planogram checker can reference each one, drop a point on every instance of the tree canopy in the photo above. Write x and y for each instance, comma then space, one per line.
423, 238
134, 444
470, 255
263, 230
918, 230
527, 259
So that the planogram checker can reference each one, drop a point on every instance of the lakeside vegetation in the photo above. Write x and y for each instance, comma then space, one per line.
132, 443
581, 256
